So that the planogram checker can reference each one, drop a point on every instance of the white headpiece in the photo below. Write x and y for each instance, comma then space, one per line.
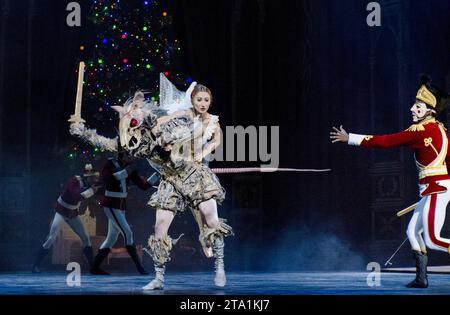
170, 98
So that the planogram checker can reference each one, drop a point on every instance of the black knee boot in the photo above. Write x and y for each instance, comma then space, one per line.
421, 280
101, 255
89, 256
133, 254
39, 257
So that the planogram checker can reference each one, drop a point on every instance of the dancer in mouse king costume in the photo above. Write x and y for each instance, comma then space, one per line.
157, 133
187, 182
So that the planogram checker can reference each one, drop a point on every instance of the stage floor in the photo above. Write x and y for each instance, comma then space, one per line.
304, 283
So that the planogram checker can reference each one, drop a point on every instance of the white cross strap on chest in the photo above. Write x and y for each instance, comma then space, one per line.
119, 174
116, 166
154, 179
123, 174
438, 166
123, 183
67, 205
88, 193
116, 194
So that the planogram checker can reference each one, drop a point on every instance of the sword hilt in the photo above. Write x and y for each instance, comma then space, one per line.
76, 119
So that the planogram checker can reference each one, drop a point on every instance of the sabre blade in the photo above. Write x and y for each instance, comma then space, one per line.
76, 117
388, 262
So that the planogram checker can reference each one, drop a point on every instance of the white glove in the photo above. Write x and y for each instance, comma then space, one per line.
77, 129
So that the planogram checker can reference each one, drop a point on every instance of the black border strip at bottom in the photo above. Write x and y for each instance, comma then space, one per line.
224, 303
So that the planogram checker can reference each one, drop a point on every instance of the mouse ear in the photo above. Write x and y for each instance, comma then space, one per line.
424, 79
120, 109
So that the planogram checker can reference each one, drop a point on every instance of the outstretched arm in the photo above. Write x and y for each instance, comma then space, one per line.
400, 139
339, 135
90, 135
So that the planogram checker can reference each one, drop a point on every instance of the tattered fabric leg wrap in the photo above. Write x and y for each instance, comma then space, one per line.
212, 240
208, 235
160, 253
160, 250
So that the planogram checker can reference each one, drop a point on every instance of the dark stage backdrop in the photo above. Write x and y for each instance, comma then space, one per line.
301, 65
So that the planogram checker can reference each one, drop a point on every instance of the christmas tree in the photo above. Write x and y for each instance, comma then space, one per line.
132, 42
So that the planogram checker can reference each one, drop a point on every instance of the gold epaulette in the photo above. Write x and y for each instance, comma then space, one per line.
416, 127
420, 126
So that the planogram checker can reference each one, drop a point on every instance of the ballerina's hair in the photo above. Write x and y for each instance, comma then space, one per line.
200, 88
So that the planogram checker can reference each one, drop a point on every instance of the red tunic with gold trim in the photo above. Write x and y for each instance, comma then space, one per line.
429, 141
116, 180
75, 190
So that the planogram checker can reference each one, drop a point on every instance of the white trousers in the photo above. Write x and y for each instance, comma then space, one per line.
117, 224
75, 224
424, 229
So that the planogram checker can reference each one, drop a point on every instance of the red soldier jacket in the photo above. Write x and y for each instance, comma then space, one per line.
69, 201
429, 141
116, 180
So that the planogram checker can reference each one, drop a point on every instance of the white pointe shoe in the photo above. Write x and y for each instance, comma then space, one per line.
155, 284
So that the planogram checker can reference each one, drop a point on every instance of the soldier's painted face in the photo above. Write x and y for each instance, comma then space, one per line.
419, 111
201, 102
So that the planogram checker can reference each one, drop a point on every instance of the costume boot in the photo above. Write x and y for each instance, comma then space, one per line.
218, 248
39, 257
421, 280
89, 256
158, 282
101, 255
131, 249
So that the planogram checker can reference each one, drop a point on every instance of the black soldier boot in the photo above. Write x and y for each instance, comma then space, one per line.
421, 280
134, 256
101, 255
89, 256
39, 257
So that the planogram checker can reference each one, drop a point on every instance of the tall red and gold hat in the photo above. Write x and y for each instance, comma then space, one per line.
431, 95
